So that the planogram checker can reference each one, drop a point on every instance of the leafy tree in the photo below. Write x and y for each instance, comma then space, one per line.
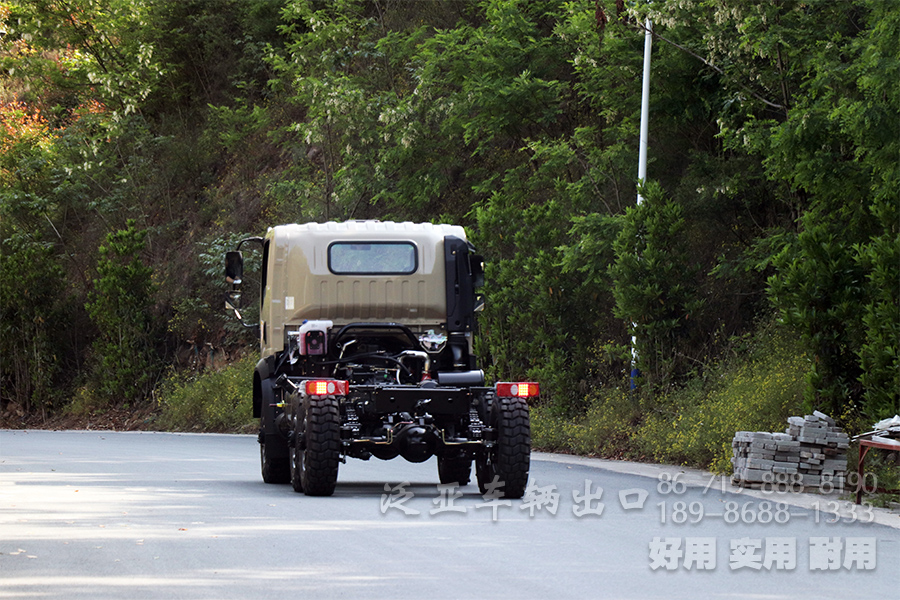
332, 73
82, 45
819, 112
655, 288
773, 151
32, 338
836, 280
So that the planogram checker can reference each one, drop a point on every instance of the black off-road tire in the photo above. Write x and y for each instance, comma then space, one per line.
297, 450
321, 453
510, 458
454, 470
274, 459
275, 469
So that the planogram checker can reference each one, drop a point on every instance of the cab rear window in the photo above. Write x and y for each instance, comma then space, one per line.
372, 258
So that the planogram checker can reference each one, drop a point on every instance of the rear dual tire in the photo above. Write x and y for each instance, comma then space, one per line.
509, 460
275, 469
274, 458
454, 470
316, 448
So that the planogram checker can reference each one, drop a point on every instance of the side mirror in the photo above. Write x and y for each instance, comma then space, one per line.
234, 267
234, 274
479, 302
233, 301
476, 267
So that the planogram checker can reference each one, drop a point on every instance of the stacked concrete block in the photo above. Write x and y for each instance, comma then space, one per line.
811, 453
757, 453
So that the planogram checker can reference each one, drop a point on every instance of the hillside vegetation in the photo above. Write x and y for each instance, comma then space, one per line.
139, 139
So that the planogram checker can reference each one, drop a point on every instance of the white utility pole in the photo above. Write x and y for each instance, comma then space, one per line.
645, 109
642, 159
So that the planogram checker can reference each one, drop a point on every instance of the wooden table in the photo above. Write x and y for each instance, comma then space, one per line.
882, 443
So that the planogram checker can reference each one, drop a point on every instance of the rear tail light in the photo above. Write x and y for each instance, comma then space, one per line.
518, 390
326, 387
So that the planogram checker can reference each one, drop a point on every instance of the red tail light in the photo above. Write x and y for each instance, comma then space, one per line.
326, 387
518, 390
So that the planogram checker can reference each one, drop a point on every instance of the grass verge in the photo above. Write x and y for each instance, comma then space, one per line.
213, 401
754, 390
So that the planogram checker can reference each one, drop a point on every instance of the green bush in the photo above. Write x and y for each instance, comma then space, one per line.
120, 305
695, 425
209, 401
605, 429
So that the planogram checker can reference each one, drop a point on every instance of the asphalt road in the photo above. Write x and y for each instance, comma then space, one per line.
152, 515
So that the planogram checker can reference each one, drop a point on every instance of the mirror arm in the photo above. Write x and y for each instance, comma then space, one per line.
254, 240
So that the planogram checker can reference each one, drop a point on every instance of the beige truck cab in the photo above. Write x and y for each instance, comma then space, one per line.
363, 271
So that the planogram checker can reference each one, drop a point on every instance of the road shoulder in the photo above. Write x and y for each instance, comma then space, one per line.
842, 501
